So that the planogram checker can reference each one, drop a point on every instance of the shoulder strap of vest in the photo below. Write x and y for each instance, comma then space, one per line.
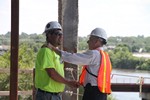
90, 72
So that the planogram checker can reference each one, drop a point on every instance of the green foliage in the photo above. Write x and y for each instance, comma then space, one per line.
23, 35
133, 43
8, 34
81, 90
5, 60
82, 44
147, 48
26, 56
122, 58
26, 60
4, 80
145, 65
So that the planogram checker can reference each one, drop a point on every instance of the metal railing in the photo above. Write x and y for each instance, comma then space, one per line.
116, 78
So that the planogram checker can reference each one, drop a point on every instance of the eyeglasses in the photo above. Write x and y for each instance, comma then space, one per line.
58, 33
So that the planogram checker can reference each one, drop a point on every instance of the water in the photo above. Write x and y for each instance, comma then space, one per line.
129, 95
126, 96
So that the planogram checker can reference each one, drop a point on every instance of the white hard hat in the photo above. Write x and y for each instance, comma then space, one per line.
52, 25
99, 32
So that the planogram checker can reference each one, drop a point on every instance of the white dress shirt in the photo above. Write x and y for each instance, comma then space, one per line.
91, 58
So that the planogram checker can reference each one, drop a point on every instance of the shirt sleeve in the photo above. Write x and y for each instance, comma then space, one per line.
45, 58
85, 58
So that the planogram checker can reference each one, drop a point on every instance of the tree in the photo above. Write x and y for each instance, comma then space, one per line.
26, 61
122, 58
24, 35
145, 65
8, 34
82, 44
26, 56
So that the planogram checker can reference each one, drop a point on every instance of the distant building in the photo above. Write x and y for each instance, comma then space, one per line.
144, 55
111, 47
3, 49
140, 50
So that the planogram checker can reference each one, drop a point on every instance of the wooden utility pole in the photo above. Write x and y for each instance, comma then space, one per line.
68, 17
14, 49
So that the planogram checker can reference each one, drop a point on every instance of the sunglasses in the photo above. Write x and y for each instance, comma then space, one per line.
58, 33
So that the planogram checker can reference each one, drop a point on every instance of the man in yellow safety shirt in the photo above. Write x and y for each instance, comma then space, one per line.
49, 69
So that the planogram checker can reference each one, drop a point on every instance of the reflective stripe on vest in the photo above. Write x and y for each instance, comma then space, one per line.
82, 75
103, 80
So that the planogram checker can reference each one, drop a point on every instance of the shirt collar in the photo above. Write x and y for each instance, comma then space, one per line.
100, 48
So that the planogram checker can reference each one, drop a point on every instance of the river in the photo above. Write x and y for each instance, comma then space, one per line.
129, 95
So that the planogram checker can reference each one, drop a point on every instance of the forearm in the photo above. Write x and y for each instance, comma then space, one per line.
57, 51
77, 58
56, 76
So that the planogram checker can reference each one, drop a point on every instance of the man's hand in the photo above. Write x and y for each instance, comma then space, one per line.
49, 45
74, 84
56, 50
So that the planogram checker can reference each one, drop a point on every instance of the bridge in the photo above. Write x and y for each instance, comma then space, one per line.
130, 83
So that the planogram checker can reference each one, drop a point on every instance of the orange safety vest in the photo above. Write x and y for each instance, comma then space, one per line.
104, 74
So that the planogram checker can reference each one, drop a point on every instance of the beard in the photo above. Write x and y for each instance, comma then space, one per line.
59, 43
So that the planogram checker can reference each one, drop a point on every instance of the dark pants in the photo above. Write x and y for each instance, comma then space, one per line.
93, 93
42, 95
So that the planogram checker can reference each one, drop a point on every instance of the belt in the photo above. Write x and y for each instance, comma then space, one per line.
53, 93
89, 85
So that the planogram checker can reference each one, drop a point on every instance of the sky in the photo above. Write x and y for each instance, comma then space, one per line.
116, 17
